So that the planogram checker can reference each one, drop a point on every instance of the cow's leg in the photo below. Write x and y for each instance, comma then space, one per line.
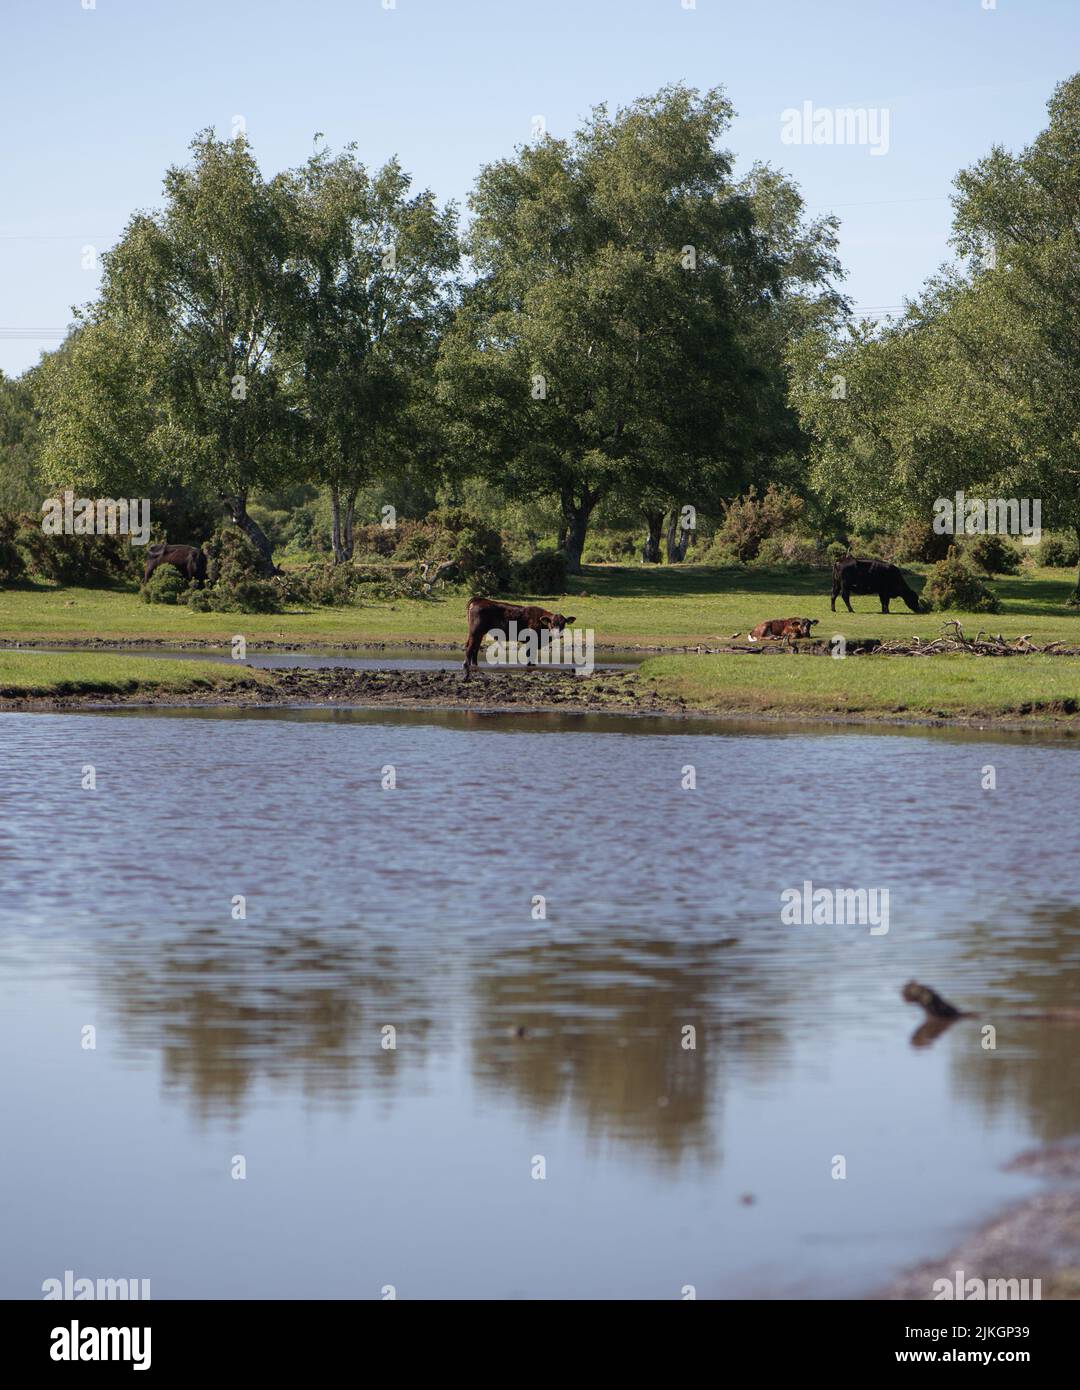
472, 646
884, 603
835, 591
845, 595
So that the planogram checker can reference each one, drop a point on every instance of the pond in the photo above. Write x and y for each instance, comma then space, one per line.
393, 1070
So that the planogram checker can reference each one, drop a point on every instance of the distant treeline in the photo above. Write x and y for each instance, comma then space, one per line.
622, 333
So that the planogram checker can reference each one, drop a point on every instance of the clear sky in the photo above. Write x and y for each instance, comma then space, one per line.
98, 101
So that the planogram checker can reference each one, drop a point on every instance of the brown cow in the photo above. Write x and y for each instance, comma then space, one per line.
188, 559
487, 615
783, 628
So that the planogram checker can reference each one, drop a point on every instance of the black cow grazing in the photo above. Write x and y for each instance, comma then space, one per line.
188, 559
851, 576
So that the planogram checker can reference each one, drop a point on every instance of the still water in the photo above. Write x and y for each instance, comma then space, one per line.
389, 659
522, 1044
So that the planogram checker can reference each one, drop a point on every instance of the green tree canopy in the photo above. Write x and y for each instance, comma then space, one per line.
607, 344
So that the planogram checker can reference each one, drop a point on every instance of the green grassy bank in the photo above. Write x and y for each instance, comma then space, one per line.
25, 674
625, 606
951, 686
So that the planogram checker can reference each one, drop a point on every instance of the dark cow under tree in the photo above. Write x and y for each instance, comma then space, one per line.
188, 559
488, 615
852, 576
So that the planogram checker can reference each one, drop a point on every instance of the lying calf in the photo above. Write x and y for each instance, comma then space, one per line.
783, 628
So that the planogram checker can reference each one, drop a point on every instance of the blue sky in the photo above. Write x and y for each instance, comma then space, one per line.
98, 101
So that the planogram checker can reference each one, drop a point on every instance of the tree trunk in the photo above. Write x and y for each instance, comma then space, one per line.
650, 551
342, 511
678, 538
576, 516
239, 513
350, 512
1074, 597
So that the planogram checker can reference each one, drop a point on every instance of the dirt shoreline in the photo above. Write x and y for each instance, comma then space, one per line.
491, 692
1038, 1238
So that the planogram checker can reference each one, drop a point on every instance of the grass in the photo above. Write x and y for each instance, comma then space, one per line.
97, 673
626, 606
945, 685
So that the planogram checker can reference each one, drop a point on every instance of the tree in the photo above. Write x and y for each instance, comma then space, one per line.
373, 263
20, 484
195, 299
787, 295
600, 349
978, 386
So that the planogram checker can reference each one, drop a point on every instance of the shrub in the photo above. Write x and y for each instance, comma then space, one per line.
750, 519
477, 554
165, 585
993, 554
1058, 552
608, 547
791, 550
953, 585
12, 564
233, 571
542, 573
873, 546
722, 553
380, 542
917, 540
331, 585
836, 550
71, 559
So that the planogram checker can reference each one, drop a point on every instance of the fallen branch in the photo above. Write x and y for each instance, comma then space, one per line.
982, 644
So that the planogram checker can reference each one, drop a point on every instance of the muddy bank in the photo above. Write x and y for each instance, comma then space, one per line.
1038, 1239
544, 690
493, 691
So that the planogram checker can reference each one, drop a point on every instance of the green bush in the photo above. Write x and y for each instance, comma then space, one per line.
836, 550
70, 559
477, 554
608, 547
542, 573
873, 546
165, 585
954, 586
334, 586
12, 564
751, 519
993, 554
793, 551
235, 583
380, 542
1059, 551
917, 540
721, 553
